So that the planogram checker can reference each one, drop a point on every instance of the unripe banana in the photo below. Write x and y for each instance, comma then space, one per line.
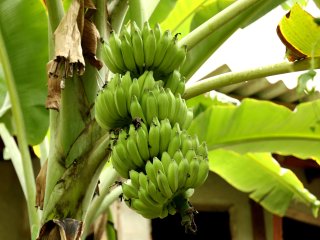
163, 185
164, 213
202, 150
157, 164
108, 59
145, 31
133, 152
180, 56
173, 176
143, 209
121, 102
134, 177
143, 181
202, 173
119, 165
149, 82
163, 105
142, 143
181, 86
137, 46
186, 144
126, 82
154, 137
157, 32
174, 144
136, 110
141, 81
115, 46
129, 190
155, 193
169, 57
178, 156
165, 160
151, 107
134, 90
173, 81
151, 172
149, 48
145, 197
188, 120
190, 154
183, 169
127, 54
193, 173
165, 134
162, 47
171, 106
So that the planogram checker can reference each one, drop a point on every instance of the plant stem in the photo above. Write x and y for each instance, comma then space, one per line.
216, 22
226, 79
108, 177
56, 12
22, 139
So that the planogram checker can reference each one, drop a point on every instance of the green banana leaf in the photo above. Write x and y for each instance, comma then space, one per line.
261, 176
261, 126
23, 25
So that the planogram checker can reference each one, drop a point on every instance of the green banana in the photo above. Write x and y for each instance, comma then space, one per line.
157, 32
181, 86
155, 193
174, 144
193, 173
129, 190
166, 160
173, 176
151, 172
173, 81
151, 107
141, 81
142, 143
145, 31
149, 48
134, 177
149, 82
182, 110
163, 104
119, 165
171, 106
180, 55
115, 46
178, 156
108, 60
163, 185
157, 164
190, 154
188, 120
202, 173
202, 150
126, 82
186, 144
133, 152
183, 170
162, 47
143, 209
136, 109
169, 57
121, 102
154, 137
145, 197
165, 134
134, 90
128, 56
137, 46
143, 180
164, 213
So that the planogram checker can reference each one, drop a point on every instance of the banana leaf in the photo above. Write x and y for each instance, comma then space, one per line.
23, 25
261, 126
258, 174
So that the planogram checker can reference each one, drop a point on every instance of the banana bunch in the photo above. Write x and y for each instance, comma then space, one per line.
162, 165
124, 99
137, 50
132, 148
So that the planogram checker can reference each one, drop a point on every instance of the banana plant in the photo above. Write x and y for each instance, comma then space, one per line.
55, 96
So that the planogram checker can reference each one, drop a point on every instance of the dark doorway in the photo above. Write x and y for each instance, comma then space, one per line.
296, 230
211, 225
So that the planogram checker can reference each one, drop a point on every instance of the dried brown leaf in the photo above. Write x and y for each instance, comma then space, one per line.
54, 81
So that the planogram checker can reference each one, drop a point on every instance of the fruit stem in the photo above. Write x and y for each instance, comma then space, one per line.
229, 78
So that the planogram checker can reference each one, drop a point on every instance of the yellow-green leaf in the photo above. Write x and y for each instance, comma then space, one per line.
300, 33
